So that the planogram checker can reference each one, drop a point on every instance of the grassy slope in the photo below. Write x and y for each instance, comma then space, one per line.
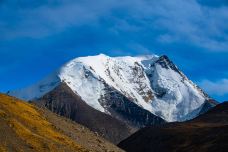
25, 127
81, 134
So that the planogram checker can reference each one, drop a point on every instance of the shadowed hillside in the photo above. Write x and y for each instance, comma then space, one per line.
207, 133
63, 101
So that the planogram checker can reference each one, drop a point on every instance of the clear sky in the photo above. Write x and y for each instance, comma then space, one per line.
37, 37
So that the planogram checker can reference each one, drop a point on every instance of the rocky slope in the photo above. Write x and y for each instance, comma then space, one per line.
148, 83
63, 101
25, 127
206, 133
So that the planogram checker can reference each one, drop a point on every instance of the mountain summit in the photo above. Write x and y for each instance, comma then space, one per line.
118, 86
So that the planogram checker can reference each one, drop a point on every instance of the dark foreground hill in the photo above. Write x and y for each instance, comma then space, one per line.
207, 133
25, 127
63, 101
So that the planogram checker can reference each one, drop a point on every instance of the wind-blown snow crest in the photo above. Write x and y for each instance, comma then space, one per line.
39, 89
154, 83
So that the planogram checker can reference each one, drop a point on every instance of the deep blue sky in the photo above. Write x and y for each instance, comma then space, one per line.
37, 37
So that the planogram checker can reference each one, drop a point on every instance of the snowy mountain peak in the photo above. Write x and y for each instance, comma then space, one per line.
153, 83
165, 62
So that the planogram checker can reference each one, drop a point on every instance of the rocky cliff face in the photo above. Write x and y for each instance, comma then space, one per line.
123, 109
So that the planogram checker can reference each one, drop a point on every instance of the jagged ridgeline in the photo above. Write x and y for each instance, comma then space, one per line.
137, 91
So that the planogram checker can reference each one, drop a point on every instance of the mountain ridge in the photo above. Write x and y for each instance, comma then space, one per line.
153, 83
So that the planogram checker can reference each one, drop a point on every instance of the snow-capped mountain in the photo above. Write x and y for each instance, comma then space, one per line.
152, 83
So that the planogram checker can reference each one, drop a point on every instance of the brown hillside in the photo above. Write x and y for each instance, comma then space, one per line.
25, 127
207, 133
63, 101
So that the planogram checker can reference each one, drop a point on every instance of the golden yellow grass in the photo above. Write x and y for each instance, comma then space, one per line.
3, 148
32, 127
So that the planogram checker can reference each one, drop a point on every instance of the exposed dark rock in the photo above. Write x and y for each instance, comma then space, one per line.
165, 62
122, 108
